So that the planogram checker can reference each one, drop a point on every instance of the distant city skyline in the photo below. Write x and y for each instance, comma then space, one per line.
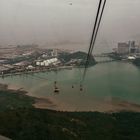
68, 23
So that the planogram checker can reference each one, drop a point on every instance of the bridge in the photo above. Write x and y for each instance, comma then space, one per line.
101, 55
103, 58
106, 61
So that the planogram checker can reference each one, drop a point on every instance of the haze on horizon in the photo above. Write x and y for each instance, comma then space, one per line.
57, 23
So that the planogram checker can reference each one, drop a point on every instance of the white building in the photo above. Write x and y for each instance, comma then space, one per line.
47, 62
54, 53
30, 67
38, 63
42, 64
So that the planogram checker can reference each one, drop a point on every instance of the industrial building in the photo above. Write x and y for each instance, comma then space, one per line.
47, 62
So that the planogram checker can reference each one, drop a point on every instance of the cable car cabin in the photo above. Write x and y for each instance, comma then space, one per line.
56, 90
81, 88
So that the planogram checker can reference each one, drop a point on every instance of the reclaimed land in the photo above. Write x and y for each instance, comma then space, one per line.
19, 120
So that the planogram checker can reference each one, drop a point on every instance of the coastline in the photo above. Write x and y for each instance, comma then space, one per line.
117, 106
38, 71
42, 103
113, 105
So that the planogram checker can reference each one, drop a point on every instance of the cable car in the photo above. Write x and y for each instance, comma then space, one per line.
81, 88
55, 82
56, 90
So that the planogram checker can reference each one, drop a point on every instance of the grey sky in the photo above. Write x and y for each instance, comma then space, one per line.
59, 24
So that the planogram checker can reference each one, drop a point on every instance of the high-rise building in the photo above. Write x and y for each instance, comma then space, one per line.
123, 48
54, 52
132, 47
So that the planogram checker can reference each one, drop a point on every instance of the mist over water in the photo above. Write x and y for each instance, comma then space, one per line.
67, 23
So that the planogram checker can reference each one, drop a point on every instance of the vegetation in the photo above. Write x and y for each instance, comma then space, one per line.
19, 120
36, 124
137, 62
81, 56
29, 58
14, 99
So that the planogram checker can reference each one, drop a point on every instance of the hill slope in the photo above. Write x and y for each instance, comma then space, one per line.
79, 56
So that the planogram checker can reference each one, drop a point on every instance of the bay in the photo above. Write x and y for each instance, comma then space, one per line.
104, 85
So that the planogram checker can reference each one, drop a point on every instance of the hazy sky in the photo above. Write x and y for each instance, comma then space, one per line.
57, 23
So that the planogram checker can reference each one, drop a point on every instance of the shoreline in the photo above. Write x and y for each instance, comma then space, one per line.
114, 105
105, 108
38, 71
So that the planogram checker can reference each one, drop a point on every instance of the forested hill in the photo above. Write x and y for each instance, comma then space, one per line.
37, 124
79, 56
19, 120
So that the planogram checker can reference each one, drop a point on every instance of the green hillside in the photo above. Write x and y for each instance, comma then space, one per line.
19, 120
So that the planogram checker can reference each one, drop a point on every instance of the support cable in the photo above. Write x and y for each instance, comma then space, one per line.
94, 35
